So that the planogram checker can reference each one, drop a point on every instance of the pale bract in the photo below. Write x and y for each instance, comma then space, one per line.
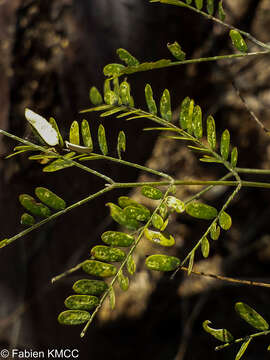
42, 127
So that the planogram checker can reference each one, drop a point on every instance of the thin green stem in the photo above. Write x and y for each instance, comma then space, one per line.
8, 241
68, 272
253, 171
128, 163
230, 198
58, 156
261, 333
133, 247
213, 18
157, 65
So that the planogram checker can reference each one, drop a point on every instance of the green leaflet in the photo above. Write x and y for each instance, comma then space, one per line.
199, 4
73, 317
201, 211
161, 262
205, 247
74, 133
112, 297
123, 281
165, 106
106, 86
220, 334
243, 349
110, 98
107, 253
210, 7
151, 192
125, 201
42, 128
59, 164
234, 157
157, 221
137, 213
225, 144
98, 268
210, 159
50, 199
90, 287
27, 219
97, 108
116, 238
116, 88
176, 204
120, 217
157, 237
113, 69
86, 135
37, 209
191, 262
95, 96
111, 112
189, 118
131, 266
184, 112
163, 210
225, 221
55, 126
211, 132
125, 93
164, 225
176, 51
102, 140
152, 107
81, 302
238, 41
214, 231
221, 12
121, 143
197, 122
251, 316
126, 57
188, 2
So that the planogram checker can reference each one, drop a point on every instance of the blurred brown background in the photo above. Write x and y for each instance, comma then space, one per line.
51, 53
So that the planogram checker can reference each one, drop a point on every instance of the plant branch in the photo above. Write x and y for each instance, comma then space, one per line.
56, 155
8, 241
133, 247
228, 279
213, 18
261, 333
128, 163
